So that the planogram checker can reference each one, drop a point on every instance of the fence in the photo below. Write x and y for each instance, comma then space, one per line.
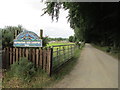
61, 54
40, 57
48, 59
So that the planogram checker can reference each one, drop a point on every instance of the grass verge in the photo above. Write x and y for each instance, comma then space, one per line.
115, 54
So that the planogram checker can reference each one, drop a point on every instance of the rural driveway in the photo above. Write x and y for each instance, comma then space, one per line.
94, 69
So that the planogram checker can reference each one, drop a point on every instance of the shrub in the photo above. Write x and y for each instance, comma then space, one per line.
45, 41
23, 69
108, 49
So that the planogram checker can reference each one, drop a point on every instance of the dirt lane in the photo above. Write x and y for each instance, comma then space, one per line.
95, 69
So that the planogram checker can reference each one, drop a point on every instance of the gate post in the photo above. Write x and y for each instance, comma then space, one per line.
51, 59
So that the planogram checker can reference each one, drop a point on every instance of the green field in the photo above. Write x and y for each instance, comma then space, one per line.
61, 54
53, 44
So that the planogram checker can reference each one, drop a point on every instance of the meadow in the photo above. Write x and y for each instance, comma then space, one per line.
61, 53
59, 43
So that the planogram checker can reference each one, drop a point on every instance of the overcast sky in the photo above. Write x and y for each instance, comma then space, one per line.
28, 14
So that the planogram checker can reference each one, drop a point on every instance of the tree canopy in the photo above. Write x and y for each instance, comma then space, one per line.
95, 22
8, 35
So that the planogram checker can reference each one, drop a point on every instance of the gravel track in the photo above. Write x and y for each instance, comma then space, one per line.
94, 69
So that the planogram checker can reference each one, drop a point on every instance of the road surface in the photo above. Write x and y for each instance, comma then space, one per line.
95, 69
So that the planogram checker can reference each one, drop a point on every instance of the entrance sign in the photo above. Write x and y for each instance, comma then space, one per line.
27, 39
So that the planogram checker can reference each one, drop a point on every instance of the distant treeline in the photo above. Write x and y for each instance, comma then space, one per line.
57, 39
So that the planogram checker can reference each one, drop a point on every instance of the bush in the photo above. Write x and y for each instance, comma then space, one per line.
23, 69
45, 41
108, 49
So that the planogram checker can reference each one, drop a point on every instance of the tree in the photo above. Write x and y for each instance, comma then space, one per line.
92, 22
8, 35
71, 38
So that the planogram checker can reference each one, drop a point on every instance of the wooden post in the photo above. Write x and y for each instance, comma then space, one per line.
71, 50
11, 56
33, 55
3, 57
44, 59
37, 54
8, 58
63, 54
50, 62
27, 53
48, 59
41, 34
57, 55
68, 51
16, 54
23, 52
41, 58
20, 53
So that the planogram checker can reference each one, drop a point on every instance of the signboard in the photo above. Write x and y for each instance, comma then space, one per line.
27, 39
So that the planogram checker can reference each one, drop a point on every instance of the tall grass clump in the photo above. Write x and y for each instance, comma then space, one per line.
23, 69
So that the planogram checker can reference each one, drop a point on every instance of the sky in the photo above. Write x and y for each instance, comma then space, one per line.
28, 14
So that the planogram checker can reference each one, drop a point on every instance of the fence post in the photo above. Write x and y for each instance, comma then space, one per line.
63, 54
41, 58
37, 54
16, 54
11, 55
57, 56
74, 49
20, 55
27, 53
33, 56
68, 52
51, 59
44, 59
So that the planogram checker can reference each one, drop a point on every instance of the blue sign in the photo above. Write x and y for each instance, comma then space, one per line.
27, 39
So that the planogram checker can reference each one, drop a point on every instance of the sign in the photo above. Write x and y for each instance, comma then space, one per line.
27, 39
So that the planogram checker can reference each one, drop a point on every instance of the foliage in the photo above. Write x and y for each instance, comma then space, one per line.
8, 35
58, 39
92, 22
23, 69
45, 41
71, 38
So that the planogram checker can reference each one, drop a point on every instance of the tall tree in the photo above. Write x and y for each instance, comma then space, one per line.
92, 22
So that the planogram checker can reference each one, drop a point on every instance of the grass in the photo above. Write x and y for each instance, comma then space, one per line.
41, 79
59, 53
60, 43
115, 54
